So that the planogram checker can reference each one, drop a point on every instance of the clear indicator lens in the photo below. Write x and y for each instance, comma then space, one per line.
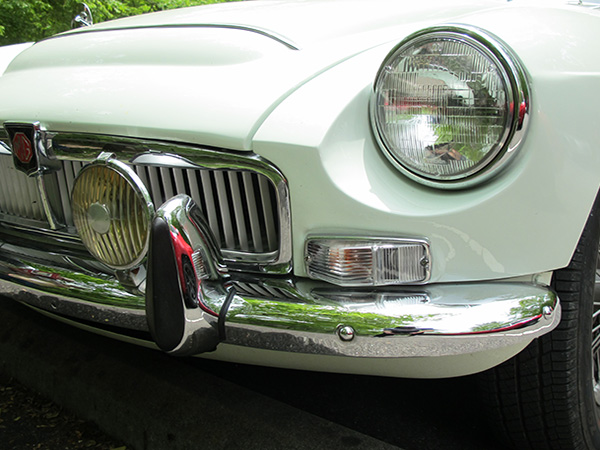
443, 106
349, 262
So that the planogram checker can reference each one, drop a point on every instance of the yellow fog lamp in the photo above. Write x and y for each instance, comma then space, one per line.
368, 262
112, 211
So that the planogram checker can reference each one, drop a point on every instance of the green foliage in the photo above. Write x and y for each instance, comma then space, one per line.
32, 20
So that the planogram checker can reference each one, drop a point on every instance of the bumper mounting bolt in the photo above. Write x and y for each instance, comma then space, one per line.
345, 333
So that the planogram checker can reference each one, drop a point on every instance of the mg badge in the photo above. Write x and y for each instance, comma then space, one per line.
25, 139
22, 148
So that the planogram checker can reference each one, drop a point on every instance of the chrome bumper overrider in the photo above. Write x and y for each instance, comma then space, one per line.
191, 309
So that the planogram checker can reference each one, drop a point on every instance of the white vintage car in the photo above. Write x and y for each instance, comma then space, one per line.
380, 187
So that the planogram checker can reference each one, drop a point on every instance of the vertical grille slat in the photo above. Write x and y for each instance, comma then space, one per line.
71, 169
25, 208
15, 205
223, 203
6, 197
195, 185
270, 228
7, 206
65, 200
166, 183
154, 187
179, 176
238, 210
141, 171
253, 213
3, 196
21, 186
211, 207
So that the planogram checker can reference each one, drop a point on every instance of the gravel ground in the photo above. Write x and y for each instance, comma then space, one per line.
29, 421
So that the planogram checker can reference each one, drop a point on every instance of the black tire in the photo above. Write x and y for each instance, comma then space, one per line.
548, 396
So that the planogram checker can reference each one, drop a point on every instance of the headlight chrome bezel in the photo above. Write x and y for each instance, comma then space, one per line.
518, 100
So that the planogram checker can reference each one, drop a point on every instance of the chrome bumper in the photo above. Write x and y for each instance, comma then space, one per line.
313, 318
291, 315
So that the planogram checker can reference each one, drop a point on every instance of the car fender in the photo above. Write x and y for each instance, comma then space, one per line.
526, 220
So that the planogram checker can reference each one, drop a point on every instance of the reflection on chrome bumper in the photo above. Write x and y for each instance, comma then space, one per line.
431, 321
315, 318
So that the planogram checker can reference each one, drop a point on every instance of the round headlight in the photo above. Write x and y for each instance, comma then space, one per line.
449, 106
112, 212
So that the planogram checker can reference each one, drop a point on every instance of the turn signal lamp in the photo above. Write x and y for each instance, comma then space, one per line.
357, 262
112, 211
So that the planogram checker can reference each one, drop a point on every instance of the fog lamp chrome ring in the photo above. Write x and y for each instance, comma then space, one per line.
112, 211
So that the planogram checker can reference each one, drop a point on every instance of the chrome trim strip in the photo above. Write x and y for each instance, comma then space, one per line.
308, 317
30, 230
53, 222
231, 26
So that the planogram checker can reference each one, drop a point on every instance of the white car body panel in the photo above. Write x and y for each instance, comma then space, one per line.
10, 52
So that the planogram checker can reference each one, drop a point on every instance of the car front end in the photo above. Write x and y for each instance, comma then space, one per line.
207, 183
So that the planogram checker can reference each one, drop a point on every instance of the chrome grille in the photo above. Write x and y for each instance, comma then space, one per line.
245, 206
264, 291
19, 194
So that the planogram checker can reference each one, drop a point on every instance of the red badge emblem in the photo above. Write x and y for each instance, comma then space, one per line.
22, 148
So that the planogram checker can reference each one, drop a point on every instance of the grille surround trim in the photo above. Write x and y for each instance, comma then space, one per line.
236, 175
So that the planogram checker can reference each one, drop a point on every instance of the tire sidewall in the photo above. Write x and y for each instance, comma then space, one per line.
589, 410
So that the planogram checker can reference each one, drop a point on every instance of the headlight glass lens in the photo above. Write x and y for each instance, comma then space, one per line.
112, 212
444, 105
